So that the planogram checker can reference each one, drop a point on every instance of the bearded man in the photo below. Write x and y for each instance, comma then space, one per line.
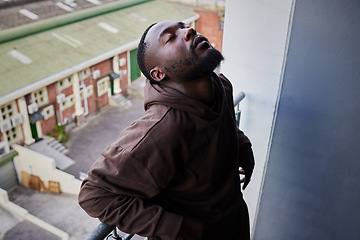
174, 173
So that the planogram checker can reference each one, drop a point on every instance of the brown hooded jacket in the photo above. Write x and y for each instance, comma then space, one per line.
174, 173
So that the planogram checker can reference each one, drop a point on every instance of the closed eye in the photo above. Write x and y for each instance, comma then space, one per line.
171, 38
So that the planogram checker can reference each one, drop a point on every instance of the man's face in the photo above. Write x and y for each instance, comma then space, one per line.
180, 52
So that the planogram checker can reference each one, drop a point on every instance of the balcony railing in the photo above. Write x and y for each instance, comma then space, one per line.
238, 98
104, 231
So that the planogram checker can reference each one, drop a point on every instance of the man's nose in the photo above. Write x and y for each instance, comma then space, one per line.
189, 33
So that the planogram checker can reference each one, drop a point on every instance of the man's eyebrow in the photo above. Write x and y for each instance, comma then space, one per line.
168, 29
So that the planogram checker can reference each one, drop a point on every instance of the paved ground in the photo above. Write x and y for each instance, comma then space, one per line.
26, 230
61, 211
85, 144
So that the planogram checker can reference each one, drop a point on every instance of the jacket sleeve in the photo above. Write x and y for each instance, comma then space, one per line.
118, 190
246, 156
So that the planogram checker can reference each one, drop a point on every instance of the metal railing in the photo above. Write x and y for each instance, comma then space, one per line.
238, 98
104, 231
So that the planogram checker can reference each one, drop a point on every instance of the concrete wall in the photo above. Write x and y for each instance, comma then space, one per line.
254, 47
311, 188
24, 215
34, 163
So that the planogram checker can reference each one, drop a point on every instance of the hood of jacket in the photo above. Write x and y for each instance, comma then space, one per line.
155, 94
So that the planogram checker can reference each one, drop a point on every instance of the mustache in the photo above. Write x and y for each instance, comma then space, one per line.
198, 38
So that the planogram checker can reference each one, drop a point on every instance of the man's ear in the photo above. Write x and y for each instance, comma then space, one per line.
157, 74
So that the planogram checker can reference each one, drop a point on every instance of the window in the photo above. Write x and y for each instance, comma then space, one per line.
12, 133
48, 112
40, 97
84, 74
102, 86
122, 62
62, 84
89, 91
96, 74
8, 110
68, 102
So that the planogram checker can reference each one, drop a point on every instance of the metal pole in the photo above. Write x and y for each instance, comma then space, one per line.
100, 232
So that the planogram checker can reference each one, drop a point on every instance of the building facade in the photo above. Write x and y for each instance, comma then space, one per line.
64, 74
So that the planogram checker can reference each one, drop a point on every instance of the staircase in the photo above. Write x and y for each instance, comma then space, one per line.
54, 144
120, 100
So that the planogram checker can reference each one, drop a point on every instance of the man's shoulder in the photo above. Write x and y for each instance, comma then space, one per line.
159, 121
225, 81
168, 120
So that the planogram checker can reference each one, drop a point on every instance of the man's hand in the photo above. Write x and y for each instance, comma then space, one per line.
246, 163
245, 179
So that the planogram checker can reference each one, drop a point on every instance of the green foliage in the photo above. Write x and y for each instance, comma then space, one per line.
59, 133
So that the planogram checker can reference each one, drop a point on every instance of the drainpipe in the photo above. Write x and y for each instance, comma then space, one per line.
83, 86
61, 120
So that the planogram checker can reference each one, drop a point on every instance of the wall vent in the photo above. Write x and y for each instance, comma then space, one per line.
32, 108
17, 120
5, 125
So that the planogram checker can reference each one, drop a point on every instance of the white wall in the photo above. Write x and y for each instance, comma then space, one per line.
44, 167
254, 46
311, 189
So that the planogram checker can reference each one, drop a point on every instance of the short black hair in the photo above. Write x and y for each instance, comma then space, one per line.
141, 54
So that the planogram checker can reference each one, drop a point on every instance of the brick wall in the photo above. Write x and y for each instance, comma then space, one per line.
125, 75
209, 26
90, 99
105, 68
48, 124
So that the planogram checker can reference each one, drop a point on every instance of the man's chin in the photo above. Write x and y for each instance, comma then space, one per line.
211, 60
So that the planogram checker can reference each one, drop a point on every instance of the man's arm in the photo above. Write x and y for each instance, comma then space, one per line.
129, 214
118, 192
246, 158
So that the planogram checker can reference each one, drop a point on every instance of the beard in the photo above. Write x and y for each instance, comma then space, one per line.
195, 66
206, 64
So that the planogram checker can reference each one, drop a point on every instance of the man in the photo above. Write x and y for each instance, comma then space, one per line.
174, 174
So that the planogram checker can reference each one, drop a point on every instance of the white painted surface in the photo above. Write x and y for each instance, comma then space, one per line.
107, 27
65, 7
28, 14
20, 56
255, 38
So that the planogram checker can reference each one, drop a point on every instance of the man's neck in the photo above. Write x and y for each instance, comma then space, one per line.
201, 89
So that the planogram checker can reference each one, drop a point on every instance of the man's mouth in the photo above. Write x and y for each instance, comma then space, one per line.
199, 41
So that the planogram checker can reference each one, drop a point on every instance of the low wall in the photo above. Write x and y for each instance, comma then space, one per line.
38, 171
24, 215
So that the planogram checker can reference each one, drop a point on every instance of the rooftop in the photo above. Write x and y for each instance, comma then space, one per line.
29, 60
12, 12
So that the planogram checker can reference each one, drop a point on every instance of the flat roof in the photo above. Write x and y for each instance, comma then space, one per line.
11, 11
29, 60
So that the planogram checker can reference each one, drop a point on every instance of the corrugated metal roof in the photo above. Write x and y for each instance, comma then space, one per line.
30, 59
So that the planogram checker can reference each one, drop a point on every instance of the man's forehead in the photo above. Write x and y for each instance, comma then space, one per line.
155, 31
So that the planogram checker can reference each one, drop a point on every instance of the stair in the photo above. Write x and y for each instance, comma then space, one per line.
54, 144
121, 101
